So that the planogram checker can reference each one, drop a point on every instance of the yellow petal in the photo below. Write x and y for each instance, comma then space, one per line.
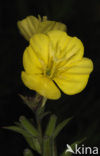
40, 45
31, 62
58, 38
60, 26
28, 26
85, 66
69, 48
47, 26
41, 84
74, 80
74, 50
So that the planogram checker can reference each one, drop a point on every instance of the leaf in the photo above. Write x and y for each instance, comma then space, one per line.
18, 124
28, 152
17, 129
51, 126
61, 126
73, 147
44, 114
30, 140
41, 114
37, 145
33, 143
28, 126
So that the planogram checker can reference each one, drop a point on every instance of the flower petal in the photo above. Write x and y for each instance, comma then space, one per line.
47, 26
40, 45
58, 37
60, 26
28, 26
70, 49
74, 80
44, 86
74, 50
31, 62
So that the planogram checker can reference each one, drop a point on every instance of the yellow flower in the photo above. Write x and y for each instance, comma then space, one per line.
55, 58
32, 25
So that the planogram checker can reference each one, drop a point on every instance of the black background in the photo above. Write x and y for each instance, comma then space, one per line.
83, 20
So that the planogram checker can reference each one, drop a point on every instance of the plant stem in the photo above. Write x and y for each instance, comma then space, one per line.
40, 131
38, 118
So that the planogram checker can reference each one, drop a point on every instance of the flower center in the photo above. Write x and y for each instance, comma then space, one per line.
51, 69
56, 62
48, 72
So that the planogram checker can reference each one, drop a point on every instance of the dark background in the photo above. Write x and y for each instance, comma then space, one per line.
83, 20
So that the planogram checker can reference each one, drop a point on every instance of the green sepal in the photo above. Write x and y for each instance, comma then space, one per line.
28, 126
51, 126
29, 102
60, 126
73, 147
28, 152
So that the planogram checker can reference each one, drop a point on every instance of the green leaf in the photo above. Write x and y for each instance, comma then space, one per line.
28, 126
51, 126
17, 129
33, 143
18, 124
73, 147
37, 145
44, 114
30, 140
40, 113
61, 126
28, 152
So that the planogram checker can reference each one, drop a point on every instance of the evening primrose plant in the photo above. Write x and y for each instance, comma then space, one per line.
53, 62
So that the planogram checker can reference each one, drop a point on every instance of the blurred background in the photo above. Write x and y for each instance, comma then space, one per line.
83, 20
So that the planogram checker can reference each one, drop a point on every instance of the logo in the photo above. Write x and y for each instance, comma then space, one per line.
82, 150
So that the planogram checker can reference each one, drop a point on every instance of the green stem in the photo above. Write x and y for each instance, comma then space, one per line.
54, 149
38, 119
